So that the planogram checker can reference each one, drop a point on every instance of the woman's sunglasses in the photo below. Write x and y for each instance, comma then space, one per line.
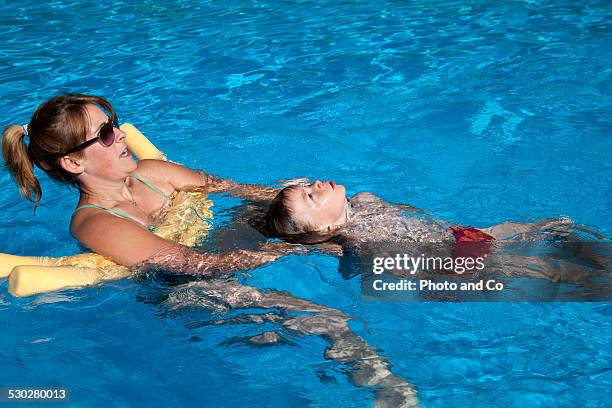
106, 137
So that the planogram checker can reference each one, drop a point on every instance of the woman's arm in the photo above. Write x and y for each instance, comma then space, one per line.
252, 192
181, 259
183, 178
131, 245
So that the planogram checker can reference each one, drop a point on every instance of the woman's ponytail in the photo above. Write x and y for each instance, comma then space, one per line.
19, 164
56, 126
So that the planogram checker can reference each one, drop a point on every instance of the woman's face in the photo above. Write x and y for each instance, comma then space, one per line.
111, 162
319, 205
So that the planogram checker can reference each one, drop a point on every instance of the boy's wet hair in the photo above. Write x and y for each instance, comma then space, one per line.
281, 222
280, 214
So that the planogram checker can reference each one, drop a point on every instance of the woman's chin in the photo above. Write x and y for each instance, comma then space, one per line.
128, 163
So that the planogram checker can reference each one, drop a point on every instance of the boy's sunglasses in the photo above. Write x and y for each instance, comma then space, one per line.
106, 137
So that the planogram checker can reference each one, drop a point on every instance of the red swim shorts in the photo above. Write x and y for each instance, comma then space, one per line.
470, 242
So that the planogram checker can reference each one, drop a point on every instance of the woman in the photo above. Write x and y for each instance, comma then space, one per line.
75, 139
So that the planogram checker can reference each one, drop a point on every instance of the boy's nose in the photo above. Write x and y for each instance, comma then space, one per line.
318, 184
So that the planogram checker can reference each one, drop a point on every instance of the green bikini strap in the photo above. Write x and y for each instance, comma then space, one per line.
151, 186
119, 212
99, 207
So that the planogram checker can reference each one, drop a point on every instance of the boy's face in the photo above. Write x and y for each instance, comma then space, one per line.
319, 205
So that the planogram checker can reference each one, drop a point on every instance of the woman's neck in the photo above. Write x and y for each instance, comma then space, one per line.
107, 190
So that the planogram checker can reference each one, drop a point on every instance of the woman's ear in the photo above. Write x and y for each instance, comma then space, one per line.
71, 164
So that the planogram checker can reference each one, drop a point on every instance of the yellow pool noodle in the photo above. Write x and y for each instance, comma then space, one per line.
183, 222
27, 280
139, 145
8, 262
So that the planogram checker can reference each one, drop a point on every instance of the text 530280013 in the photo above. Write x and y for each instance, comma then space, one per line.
28, 394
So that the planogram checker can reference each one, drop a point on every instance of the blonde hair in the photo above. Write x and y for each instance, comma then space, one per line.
56, 126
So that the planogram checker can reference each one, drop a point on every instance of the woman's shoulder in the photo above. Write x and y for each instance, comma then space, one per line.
176, 175
152, 169
124, 241
85, 217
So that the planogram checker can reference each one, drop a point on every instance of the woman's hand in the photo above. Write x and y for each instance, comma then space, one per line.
284, 248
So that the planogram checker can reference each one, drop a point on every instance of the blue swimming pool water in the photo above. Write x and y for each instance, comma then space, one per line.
478, 111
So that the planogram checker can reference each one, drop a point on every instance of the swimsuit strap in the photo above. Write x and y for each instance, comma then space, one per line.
151, 186
113, 210
119, 213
